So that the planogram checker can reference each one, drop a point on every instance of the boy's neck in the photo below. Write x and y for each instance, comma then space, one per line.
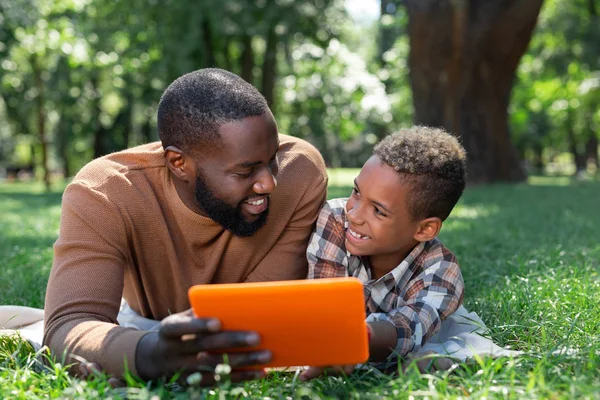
381, 264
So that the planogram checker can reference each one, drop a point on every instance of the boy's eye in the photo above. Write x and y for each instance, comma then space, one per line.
355, 191
378, 212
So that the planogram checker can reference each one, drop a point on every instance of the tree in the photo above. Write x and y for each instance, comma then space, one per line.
556, 106
463, 59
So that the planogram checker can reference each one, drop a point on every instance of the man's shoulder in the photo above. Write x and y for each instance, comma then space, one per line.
300, 158
118, 166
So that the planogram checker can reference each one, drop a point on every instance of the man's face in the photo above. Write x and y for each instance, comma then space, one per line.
234, 182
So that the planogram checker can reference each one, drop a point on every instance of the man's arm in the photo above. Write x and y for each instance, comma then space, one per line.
429, 299
86, 284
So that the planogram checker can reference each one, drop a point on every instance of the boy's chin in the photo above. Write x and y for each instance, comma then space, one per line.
354, 250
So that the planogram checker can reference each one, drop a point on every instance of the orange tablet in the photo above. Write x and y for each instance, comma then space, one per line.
310, 322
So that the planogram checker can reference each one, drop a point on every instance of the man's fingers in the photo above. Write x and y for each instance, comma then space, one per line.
228, 340
178, 325
236, 360
194, 344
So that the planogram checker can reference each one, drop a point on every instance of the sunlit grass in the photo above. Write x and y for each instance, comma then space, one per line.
529, 253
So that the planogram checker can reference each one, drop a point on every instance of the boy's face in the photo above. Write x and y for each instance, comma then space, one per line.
379, 224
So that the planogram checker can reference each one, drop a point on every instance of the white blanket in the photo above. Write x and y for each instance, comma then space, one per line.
461, 336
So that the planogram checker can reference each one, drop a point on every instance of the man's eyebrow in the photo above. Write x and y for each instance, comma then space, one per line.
249, 164
378, 204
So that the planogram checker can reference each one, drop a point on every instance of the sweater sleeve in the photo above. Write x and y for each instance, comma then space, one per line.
86, 284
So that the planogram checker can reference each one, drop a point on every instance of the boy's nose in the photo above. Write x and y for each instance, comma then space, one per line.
354, 216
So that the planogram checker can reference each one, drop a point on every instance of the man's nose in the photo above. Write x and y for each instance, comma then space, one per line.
266, 182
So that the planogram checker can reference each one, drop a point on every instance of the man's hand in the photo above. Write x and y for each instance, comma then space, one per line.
187, 344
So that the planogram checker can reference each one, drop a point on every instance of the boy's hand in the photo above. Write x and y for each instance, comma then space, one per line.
315, 372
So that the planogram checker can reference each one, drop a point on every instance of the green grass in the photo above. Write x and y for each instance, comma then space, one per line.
530, 255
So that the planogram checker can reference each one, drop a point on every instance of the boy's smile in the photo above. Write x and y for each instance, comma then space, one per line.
379, 223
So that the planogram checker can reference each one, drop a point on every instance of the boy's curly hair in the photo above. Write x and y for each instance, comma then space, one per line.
432, 162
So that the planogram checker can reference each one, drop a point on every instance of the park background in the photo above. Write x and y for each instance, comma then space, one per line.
517, 80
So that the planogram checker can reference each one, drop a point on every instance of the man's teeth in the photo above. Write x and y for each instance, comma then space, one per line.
358, 236
256, 202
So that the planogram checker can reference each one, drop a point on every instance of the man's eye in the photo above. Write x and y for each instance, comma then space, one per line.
244, 175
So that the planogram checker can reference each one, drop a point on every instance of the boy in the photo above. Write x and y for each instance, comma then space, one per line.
385, 234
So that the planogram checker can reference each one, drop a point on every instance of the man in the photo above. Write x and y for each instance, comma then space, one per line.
200, 207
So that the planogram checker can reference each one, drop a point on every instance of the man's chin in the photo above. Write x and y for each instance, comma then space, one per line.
252, 224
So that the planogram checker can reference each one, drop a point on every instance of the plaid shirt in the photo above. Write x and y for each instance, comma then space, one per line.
416, 296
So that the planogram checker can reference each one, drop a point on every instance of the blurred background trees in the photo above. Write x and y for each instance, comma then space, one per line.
82, 78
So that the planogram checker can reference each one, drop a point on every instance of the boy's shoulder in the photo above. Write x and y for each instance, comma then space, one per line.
335, 206
434, 251
332, 218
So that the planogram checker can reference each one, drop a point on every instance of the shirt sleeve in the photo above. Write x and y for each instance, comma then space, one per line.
326, 253
86, 284
429, 298
287, 257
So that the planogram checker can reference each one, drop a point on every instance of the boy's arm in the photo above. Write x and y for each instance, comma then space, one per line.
428, 299
326, 252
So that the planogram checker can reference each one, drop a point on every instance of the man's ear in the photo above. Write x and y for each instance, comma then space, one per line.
428, 229
177, 163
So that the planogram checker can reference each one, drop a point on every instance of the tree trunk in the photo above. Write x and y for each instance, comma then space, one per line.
41, 118
578, 156
538, 163
147, 131
247, 58
591, 151
209, 51
463, 59
269, 70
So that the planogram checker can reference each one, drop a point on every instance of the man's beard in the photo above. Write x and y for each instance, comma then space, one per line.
231, 218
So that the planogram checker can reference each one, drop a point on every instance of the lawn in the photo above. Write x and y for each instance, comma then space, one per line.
530, 255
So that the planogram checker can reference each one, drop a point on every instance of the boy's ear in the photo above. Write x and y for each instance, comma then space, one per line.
428, 229
176, 161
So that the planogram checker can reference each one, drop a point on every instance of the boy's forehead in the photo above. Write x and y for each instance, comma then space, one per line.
383, 183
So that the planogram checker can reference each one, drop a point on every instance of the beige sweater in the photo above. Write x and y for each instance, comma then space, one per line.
124, 231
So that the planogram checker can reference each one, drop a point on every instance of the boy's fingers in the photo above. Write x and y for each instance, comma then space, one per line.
311, 373
116, 383
87, 369
348, 369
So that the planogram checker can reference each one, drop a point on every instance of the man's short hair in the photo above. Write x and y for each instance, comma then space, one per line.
432, 162
194, 106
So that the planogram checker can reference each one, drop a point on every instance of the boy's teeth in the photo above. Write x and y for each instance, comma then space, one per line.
356, 235
257, 202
